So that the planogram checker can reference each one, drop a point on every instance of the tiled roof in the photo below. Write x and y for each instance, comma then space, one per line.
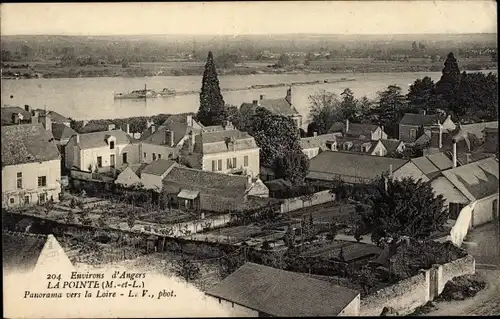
20, 251
177, 123
7, 112
391, 145
277, 185
463, 158
317, 141
419, 119
98, 139
475, 180
27, 143
215, 142
206, 181
282, 293
355, 129
94, 126
276, 106
440, 160
425, 165
54, 116
352, 164
357, 144
61, 131
158, 167
137, 168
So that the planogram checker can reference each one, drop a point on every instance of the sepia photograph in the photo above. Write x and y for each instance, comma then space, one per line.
250, 159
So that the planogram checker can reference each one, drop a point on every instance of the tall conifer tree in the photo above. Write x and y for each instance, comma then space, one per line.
212, 108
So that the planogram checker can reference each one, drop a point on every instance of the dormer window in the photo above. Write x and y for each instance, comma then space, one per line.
347, 146
111, 145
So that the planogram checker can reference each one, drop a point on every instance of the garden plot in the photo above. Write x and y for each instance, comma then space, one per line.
325, 213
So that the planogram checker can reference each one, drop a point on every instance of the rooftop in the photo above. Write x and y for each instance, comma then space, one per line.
352, 164
223, 141
391, 145
282, 293
317, 141
158, 167
54, 116
419, 119
355, 129
98, 139
475, 180
27, 143
356, 144
61, 131
279, 106
21, 250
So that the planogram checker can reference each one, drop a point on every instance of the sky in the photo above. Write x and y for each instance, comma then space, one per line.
234, 18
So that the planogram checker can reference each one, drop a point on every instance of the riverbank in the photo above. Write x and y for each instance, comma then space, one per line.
50, 69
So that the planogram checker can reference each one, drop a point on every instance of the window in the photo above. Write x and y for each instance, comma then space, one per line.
112, 161
214, 166
219, 162
42, 181
12, 200
42, 198
159, 156
26, 200
228, 163
99, 161
413, 133
154, 157
124, 158
111, 145
19, 180
234, 162
245, 161
144, 154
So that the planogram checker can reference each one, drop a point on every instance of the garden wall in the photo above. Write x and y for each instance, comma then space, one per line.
291, 204
415, 291
195, 226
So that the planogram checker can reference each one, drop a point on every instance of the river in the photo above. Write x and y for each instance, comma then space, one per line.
92, 98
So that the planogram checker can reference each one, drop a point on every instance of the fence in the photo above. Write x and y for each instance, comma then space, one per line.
296, 203
195, 226
415, 291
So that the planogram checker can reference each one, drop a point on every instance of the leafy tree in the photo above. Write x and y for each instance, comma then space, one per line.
365, 278
348, 105
131, 220
477, 97
289, 237
447, 87
404, 208
293, 166
324, 111
391, 108
284, 60
421, 92
212, 109
266, 245
274, 259
186, 269
230, 263
235, 117
410, 151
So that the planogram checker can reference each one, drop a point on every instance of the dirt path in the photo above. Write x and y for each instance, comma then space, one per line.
486, 302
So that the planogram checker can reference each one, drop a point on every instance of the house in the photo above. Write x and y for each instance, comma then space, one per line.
471, 141
432, 165
166, 140
358, 168
33, 253
472, 187
311, 146
16, 115
213, 191
255, 290
54, 117
360, 131
356, 145
393, 146
131, 175
280, 106
152, 175
412, 126
31, 167
228, 151
101, 152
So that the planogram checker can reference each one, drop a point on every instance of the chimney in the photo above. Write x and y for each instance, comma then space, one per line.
454, 153
347, 125
27, 108
47, 123
289, 95
189, 120
153, 128
77, 138
192, 141
423, 112
255, 102
315, 133
262, 96
15, 118
390, 171
249, 181
34, 116
111, 127
169, 138
436, 137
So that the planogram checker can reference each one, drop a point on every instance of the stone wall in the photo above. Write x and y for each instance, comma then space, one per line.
415, 291
291, 204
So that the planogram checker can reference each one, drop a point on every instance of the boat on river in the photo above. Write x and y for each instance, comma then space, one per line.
144, 94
